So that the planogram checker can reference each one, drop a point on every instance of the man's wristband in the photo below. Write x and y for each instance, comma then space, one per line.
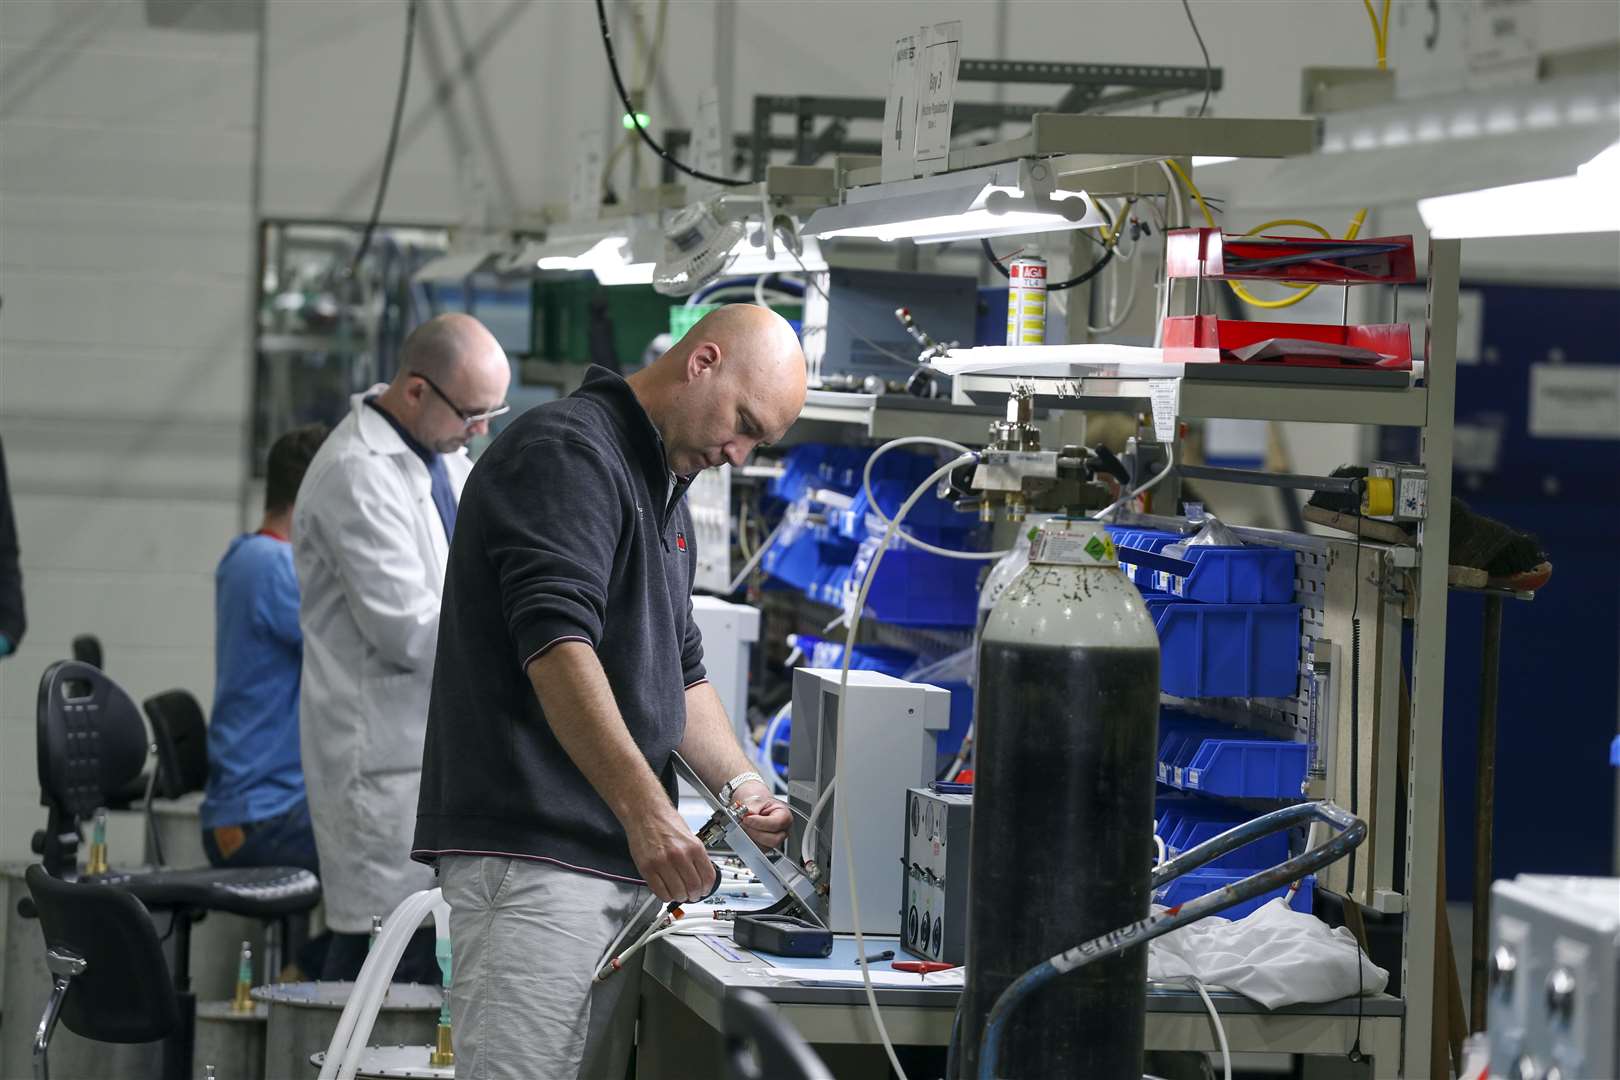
736, 782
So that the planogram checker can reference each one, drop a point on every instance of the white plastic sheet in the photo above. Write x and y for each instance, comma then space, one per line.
1276, 955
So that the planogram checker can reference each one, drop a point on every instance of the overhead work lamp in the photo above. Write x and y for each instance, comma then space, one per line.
1580, 203
1527, 160
1009, 199
611, 250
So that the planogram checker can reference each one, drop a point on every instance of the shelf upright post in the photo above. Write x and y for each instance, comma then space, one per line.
1423, 870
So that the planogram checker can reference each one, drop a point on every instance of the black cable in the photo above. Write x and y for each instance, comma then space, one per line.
630, 109
1355, 695
393, 137
1355, 1053
1209, 72
1079, 279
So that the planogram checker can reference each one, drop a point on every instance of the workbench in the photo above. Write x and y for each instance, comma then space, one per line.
686, 977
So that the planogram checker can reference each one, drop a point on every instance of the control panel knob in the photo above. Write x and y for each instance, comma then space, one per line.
1561, 993
1504, 962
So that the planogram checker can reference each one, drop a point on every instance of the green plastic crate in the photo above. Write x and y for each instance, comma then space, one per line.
682, 317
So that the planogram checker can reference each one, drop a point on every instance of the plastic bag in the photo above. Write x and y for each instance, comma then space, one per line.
1275, 955
1213, 534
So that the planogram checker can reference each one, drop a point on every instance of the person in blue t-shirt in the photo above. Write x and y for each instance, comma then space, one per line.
254, 811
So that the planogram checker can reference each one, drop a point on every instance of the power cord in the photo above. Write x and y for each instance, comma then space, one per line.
393, 137
1209, 79
1215, 1018
1355, 1052
1057, 286
635, 120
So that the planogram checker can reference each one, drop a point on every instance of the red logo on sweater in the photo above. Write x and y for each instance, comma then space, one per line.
680, 541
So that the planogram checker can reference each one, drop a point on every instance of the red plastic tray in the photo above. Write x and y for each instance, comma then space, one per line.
1184, 333
1203, 252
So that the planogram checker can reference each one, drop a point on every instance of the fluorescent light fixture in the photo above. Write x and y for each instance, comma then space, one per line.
1200, 162
606, 249
564, 256
968, 205
453, 268
749, 257
1582, 203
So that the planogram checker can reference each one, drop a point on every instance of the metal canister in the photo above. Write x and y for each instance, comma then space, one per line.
304, 1015
394, 1063
1026, 300
231, 1040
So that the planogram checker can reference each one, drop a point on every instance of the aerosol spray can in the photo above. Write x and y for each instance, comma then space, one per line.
1026, 300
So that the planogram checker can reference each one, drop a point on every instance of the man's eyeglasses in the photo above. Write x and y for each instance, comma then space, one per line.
468, 419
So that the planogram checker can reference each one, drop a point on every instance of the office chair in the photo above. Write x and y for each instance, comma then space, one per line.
760, 1045
91, 741
109, 980
87, 650
180, 735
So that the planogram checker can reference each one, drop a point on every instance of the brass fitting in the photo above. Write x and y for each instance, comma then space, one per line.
97, 863
443, 1051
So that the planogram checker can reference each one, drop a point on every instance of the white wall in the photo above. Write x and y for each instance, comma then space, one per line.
126, 239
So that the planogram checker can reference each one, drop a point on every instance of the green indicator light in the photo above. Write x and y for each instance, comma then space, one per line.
630, 122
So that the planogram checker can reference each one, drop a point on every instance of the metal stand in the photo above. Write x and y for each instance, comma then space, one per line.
1484, 811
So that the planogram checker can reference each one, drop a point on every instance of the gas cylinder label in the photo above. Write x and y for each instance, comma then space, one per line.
1073, 549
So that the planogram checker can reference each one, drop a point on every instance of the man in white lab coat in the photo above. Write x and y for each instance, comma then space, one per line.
371, 533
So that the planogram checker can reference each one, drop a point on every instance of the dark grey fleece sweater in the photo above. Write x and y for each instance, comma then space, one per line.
568, 530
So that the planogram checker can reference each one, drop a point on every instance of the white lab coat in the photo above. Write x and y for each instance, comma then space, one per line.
370, 551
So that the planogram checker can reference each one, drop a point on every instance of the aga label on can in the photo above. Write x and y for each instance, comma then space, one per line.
1026, 301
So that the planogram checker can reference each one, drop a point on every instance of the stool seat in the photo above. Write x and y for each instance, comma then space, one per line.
259, 892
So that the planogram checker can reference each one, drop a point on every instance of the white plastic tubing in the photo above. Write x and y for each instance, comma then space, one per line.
360, 1014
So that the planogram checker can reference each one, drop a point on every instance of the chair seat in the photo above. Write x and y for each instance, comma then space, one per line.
261, 892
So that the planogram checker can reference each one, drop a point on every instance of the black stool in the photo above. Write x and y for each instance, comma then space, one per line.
760, 1045
181, 737
91, 741
109, 981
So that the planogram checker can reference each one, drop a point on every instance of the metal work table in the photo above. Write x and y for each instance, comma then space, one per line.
685, 980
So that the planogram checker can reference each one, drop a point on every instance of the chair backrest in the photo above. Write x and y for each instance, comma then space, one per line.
87, 650
181, 736
91, 740
760, 1045
124, 994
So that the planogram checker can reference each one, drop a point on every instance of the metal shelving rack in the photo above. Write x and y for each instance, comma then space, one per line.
1429, 407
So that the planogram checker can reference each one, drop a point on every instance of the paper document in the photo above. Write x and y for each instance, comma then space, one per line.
1061, 361
884, 976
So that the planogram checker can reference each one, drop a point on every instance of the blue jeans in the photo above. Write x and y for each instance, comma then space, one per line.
285, 840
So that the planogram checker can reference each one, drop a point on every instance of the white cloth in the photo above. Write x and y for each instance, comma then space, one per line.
370, 552
1275, 955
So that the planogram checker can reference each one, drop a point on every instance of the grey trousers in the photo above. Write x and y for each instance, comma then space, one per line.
526, 939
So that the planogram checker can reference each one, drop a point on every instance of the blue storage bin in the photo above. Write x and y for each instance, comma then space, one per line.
822, 652
1195, 825
1227, 650
1196, 883
916, 588
1232, 575
1153, 540
1247, 768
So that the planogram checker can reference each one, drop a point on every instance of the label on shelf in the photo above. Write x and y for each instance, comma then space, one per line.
900, 112
936, 93
1165, 394
1575, 401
